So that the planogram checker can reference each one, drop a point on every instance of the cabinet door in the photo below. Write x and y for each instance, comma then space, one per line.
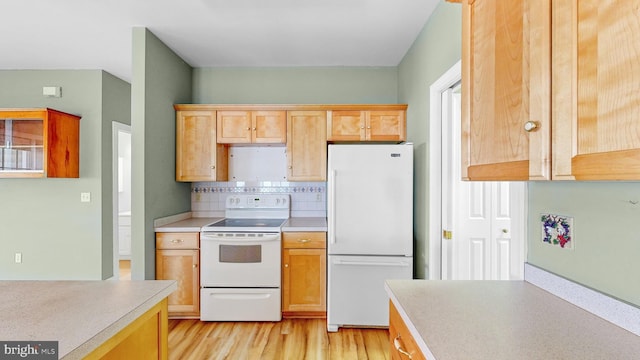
386, 125
234, 127
506, 52
182, 266
269, 127
400, 338
198, 157
345, 125
304, 280
307, 146
596, 100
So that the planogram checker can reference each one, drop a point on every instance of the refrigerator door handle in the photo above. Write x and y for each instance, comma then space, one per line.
332, 206
371, 263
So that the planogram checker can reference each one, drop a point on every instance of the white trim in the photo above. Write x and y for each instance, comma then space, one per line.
448, 79
116, 127
615, 311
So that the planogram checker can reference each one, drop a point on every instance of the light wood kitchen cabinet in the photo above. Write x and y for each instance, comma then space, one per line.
39, 143
178, 258
595, 98
402, 345
251, 127
547, 90
198, 156
307, 145
304, 277
366, 125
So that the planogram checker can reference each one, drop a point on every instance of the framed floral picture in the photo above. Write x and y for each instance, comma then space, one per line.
557, 230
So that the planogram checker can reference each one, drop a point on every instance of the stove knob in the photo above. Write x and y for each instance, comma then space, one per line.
277, 201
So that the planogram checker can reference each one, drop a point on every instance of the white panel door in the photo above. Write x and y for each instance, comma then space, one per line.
479, 214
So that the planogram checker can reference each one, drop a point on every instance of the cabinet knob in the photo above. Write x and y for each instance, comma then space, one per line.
530, 126
177, 241
286, 265
290, 167
368, 127
304, 241
254, 129
195, 266
213, 167
248, 128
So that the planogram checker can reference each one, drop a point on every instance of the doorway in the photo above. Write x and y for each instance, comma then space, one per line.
477, 229
121, 201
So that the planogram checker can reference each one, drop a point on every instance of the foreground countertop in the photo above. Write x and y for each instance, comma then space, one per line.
80, 315
504, 320
292, 224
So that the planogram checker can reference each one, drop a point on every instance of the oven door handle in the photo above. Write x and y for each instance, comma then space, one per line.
231, 240
240, 296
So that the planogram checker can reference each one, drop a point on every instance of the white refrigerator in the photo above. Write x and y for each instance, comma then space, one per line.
370, 232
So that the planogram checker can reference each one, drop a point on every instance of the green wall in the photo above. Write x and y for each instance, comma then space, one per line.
437, 48
606, 254
160, 80
58, 236
312, 85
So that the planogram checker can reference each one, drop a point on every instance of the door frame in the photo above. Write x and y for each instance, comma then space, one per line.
434, 267
447, 80
116, 128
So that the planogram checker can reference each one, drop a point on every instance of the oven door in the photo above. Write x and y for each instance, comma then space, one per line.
229, 259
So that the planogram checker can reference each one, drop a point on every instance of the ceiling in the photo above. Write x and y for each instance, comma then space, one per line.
96, 34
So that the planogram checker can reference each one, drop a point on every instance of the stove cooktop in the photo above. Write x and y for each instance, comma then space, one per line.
244, 223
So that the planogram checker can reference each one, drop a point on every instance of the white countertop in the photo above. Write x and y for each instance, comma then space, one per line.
305, 224
80, 315
188, 225
292, 224
504, 320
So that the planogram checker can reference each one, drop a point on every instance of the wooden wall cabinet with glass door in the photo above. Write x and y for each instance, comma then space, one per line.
388, 124
251, 127
304, 275
39, 143
549, 90
178, 258
198, 156
307, 145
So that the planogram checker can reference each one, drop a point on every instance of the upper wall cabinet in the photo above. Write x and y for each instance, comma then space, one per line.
307, 145
39, 143
550, 96
198, 156
596, 78
251, 127
367, 125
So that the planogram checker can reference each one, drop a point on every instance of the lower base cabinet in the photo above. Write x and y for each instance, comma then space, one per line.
403, 345
304, 275
178, 258
145, 338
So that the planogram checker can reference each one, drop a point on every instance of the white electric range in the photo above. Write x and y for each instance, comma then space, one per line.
240, 260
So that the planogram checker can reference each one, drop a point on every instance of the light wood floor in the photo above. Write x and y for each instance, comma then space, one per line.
125, 269
290, 339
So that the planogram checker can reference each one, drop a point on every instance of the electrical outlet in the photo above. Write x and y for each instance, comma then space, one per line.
18, 258
85, 197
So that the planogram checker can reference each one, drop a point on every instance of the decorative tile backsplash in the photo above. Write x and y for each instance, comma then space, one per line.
308, 199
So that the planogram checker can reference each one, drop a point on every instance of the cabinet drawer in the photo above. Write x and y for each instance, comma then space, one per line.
400, 337
304, 240
177, 240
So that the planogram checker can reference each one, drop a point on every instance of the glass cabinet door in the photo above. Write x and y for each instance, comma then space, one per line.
21, 145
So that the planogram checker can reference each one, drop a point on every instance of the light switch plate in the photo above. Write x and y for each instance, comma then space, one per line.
85, 197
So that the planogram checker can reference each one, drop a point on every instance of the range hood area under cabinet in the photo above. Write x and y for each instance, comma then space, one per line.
209, 138
39, 142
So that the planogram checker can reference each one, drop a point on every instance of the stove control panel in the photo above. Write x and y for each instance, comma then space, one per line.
261, 201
